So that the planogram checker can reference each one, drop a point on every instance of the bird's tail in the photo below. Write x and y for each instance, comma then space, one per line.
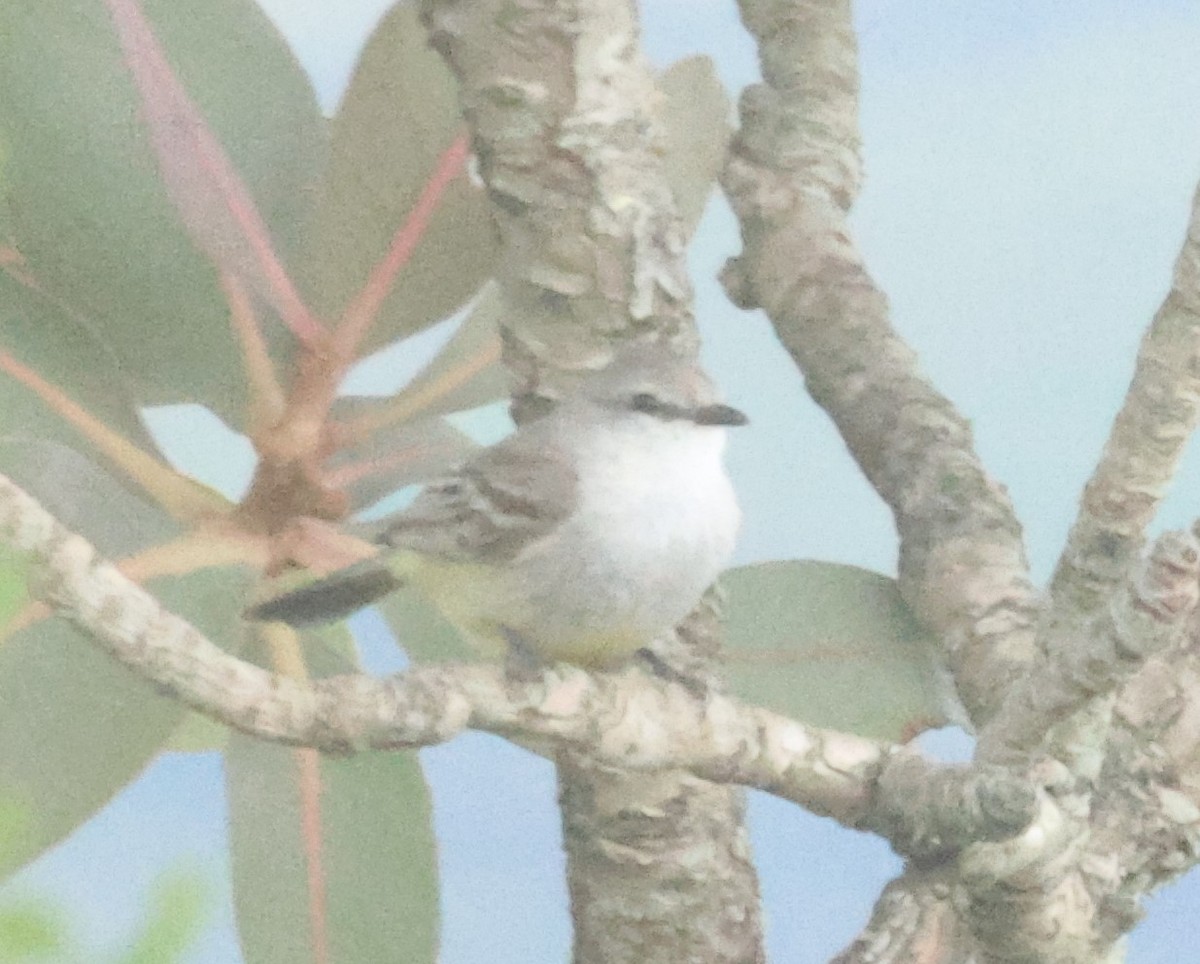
332, 598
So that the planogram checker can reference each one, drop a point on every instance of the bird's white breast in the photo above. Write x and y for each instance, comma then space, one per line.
655, 523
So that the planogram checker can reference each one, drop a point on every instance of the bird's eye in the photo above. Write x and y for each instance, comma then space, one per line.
645, 402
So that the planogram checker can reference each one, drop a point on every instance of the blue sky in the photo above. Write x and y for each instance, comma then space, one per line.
1030, 169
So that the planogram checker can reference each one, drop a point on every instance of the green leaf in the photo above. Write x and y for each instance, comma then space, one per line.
14, 575
30, 932
8, 254
399, 114
83, 497
14, 821
90, 212
75, 726
374, 837
64, 351
197, 733
422, 631
695, 118
832, 645
180, 906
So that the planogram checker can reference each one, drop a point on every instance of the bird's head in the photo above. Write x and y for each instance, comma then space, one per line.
650, 380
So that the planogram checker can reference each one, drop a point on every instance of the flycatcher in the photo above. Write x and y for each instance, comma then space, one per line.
580, 537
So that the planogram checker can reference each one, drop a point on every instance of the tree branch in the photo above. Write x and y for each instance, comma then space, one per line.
792, 176
1051, 895
563, 118
915, 921
629, 720
1145, 820
1160, 412
1141, 619
563, 115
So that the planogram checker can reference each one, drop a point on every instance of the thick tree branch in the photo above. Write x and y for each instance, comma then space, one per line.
630, 721
1146, 810
1140, 620
792, 176
562, 109
1022, 899
1019, 900
1048, 895
562, 112
930, 812
915, 921
1160, 412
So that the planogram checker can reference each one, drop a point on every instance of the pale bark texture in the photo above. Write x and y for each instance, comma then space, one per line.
792, 175
1041, 682
562, 112
1143, 450
630, 732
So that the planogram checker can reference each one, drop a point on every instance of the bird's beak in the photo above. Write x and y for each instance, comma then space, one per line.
719, 415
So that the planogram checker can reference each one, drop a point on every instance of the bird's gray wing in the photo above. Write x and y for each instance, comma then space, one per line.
506, 498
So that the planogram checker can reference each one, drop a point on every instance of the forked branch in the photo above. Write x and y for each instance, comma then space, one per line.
628, 720
792, 176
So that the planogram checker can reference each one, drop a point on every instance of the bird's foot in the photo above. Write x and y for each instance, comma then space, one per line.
522, 664
665, 671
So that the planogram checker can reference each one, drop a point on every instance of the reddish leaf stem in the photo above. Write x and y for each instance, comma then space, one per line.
308, 764
199, 176
410, 403
346, 475
287, 657
267, 401
183, 498
362, 311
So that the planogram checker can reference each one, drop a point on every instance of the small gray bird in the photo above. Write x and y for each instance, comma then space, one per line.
580, 537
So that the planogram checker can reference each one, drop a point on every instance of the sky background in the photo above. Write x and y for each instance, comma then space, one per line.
1029, 174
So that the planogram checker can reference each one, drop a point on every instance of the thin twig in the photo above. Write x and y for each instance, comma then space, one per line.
628, 720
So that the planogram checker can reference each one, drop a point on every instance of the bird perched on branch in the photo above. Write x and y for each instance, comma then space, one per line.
580, 537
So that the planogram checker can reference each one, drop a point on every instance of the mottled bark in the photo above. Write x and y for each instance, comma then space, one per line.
792, 176
610, 724
1156, 420
1145, 818
1042, 685
1137, 620
914, 922
562, 113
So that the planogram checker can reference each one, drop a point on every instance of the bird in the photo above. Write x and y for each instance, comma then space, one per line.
579, 538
